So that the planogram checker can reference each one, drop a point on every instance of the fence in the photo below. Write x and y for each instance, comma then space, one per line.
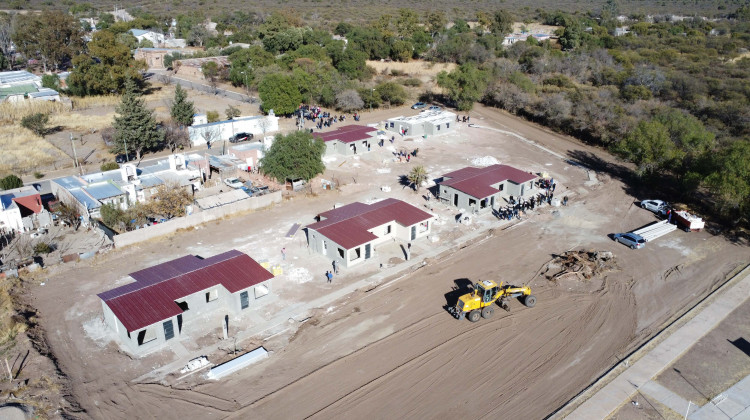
161, 229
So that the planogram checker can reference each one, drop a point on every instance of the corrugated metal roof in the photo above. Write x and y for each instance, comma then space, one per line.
149, 181
83, 198
16, 77
477, 182
70, 182
348, 225
151, 298
433, 117
104, 190
347, 133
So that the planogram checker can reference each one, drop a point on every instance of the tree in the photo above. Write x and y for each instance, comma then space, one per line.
296, 155
435, 22
648, 146
182, 110
70, 216
135, 125
170, 200
37, 123
730, 181
232, 112
212, 116
464, 85
51, 81
52, 36
278, 92
502, 23
10, 182
210, 135
407, 23
176, 135
113, 217
391, 92
109, 166
198, 35
6, 34
349, 100
106, 67
417, 176
210, 71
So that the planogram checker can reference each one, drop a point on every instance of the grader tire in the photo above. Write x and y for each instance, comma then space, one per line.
474, 315
487, 312
530, 301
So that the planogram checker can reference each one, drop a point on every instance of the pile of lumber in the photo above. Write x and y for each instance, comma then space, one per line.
581, 265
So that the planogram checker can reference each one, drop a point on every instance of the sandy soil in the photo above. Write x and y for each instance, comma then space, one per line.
393, 350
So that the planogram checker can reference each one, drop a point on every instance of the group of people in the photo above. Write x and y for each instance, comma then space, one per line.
517, 206
465, 118
403, 155
320, 118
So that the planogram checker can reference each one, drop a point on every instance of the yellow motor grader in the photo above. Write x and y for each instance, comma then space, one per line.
479, 303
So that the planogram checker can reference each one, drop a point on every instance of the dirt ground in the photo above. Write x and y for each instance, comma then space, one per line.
392, 350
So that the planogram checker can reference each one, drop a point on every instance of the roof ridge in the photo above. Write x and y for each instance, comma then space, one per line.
369, 209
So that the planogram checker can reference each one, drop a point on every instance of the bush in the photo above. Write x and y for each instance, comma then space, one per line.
42, 248
109, 166
37, 123
397, 72
10, 182
212, 116
413, 82
392, 93
38, 175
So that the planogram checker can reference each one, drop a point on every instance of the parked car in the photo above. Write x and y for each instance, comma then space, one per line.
656, 206
632, 240
418, 105
241, 137
234, 182
122, 158
434, 108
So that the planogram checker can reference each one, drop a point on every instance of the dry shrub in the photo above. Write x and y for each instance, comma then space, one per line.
9, 326
13, 112
87, 102
22, 150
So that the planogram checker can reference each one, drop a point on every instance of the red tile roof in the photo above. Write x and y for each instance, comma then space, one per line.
348, 133
31, 202
151, 298
477, 181
348, 225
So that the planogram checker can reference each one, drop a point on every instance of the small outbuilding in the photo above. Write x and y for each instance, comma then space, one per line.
349, 140
349, 234
168, 299
482, 189
426, 123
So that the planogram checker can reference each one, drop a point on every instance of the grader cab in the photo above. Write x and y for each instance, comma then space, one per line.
479, 303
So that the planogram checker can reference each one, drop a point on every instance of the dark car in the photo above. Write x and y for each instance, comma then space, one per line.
239, 137
632, 240
122, 158
418, 105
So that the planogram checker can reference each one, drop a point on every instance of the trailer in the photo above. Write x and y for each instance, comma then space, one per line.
688, 222
655, 230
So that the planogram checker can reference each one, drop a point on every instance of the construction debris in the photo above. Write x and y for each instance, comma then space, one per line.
581, 265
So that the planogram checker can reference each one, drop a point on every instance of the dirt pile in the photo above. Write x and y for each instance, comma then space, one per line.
581, 265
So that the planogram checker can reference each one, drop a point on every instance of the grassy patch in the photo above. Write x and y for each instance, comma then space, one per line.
23, 151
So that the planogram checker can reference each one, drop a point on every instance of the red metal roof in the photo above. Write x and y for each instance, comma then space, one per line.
477, 182
347, 133
33, 202
348, 225
151, 298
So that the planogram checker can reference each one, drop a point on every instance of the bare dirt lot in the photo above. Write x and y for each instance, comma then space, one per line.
392, 350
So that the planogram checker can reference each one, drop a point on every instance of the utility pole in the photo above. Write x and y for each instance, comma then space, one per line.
372, 96
75, 157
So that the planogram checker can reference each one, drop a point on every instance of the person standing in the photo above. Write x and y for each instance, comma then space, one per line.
335, 267
283, 253
329, 276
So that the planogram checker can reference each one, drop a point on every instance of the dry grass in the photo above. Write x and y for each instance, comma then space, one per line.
80, 122
24, 151
11, 113
87, 102
415, 68
9, 327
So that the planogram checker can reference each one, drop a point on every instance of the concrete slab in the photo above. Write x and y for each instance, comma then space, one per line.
745, 415
668, 398
709, 412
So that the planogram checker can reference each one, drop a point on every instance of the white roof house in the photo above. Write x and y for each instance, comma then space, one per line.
141, 34
423, 124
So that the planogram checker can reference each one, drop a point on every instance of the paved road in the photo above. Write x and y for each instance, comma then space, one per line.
203, 87
638, 375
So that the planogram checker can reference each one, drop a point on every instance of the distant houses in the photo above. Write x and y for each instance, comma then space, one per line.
21, 210
18, 86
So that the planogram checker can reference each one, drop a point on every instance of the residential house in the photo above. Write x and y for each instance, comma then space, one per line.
20, 208
523, 36
146, 35
154, 57
193, 67
18, 86
128, 185
482, 189
349, 139
423, 124
350, 234
179, 296
250, 153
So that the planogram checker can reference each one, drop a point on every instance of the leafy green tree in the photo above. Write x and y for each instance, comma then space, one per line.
392, 92
109, 166
572, 35
37, 123
502, 23
113, 216
402, 50
435, 21
280, 93
135, 125
51, 81
145, 43
107, 74
730, 181
170, 201
210, 71
296, 155
648, 146
212, 116
464, 85
182, 110
407, 23
10, 182
52, 36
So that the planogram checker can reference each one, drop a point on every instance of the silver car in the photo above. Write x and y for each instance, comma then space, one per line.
656, 206
632, 240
